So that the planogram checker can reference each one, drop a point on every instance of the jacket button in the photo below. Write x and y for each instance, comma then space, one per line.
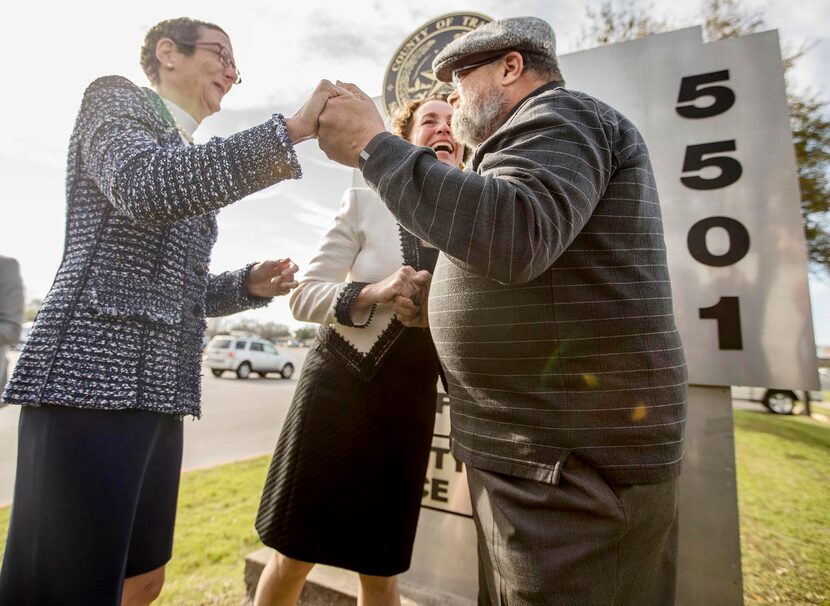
200, 269
197, 310
204, 228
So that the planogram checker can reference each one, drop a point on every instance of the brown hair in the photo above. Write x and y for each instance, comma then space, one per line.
402, 117
402, 121
184, 31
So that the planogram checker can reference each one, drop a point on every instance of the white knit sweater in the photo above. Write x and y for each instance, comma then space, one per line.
363, 245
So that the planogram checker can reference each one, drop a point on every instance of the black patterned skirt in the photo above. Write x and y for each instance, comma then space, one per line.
345, 484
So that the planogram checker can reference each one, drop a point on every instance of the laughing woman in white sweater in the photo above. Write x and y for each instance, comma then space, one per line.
344, 486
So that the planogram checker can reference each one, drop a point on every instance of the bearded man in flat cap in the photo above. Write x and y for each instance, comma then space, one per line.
552, 314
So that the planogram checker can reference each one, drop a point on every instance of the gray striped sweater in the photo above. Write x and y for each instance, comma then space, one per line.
551, 304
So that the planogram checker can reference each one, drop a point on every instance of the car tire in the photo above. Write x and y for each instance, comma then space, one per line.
287, 371
780, 402
216, 372
244, 371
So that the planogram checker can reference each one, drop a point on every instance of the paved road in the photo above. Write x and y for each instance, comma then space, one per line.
240, 419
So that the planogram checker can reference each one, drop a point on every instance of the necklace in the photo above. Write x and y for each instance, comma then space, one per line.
185, 135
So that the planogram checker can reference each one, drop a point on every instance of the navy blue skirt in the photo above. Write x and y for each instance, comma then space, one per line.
94, 503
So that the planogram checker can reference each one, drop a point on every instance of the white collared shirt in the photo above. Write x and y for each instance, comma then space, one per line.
185, 122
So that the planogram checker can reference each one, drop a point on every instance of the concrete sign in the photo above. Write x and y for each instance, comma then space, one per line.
715, 119
445, 487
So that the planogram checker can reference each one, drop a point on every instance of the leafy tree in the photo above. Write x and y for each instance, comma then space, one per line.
609, 25
274, 331
808, 116
266, 330
248, 325
305, 333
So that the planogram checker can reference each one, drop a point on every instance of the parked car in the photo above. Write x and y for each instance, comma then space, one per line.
244, 355
779, 401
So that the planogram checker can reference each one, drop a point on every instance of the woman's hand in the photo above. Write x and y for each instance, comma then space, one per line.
303, 125
399, 283
271, 278
414, 311
405, 284
348, 124
402, 282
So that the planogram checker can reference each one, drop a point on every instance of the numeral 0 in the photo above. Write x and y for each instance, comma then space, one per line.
738, 241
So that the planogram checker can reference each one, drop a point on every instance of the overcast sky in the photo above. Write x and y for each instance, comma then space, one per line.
283, 49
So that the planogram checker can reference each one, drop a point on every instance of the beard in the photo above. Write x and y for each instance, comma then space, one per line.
478, 116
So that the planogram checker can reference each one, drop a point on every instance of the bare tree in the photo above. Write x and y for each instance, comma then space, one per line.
609, 25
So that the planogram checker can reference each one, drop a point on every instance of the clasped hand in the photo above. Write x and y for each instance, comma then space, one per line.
342, 116
406, 290
414, 311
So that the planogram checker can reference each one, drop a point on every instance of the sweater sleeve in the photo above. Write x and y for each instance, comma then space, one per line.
119, 146
539, 178
325, 293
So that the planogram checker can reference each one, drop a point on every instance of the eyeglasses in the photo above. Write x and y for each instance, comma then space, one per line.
456, 73
225, 56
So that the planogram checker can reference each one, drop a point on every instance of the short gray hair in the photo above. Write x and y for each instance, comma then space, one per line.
545, 66
183, 29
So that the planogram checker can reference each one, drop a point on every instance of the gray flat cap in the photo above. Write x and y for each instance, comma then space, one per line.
516, 33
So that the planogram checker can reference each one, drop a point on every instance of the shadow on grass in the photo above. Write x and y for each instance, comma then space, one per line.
791, 428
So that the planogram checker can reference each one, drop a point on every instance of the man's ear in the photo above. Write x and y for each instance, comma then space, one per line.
165, 48
513, 66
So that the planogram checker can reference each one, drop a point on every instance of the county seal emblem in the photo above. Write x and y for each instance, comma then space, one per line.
409, 76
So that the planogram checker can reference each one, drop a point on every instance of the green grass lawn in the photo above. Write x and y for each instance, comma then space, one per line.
783, 492
214, 533
822, 407
784, 502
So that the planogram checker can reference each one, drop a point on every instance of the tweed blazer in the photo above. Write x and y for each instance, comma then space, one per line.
551, 304
122, 325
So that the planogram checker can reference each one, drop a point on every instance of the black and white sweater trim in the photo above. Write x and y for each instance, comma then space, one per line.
345, 300
365, 366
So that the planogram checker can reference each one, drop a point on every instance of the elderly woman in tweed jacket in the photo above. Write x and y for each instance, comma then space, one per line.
113, 361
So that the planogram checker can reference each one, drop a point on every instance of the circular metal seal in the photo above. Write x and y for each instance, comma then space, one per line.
409, 76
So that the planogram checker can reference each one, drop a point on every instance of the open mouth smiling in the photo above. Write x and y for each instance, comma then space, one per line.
443, 146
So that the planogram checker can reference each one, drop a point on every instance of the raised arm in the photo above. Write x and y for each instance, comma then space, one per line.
539, 183
117, 133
